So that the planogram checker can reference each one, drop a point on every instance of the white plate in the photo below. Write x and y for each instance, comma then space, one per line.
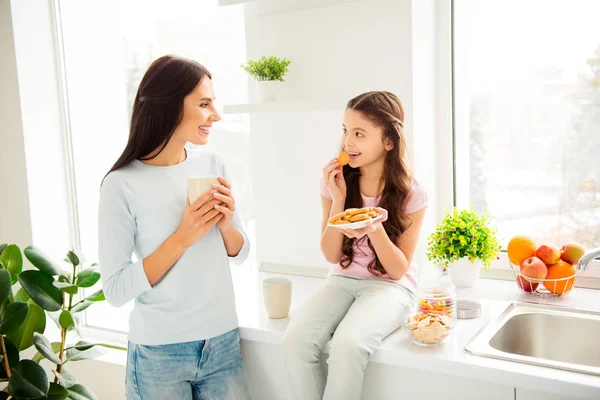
356, 225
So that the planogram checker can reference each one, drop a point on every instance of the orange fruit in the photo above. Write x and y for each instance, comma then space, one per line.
520, 248
561, 269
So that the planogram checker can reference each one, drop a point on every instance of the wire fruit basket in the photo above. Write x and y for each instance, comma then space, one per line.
545, 288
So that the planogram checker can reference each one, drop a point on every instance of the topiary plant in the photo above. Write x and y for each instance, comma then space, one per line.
267, 68
463, 234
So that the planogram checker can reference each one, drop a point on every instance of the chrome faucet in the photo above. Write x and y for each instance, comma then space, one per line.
587, 258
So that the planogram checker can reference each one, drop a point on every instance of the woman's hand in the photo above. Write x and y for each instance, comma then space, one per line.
226, 205
371, 226
198, 218
333, 178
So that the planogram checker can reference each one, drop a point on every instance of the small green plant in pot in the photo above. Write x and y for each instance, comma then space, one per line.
268, 73
46, 290
463, 243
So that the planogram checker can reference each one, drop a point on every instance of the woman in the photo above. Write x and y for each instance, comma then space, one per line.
183, 338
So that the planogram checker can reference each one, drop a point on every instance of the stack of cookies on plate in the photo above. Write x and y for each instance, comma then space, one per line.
352, 215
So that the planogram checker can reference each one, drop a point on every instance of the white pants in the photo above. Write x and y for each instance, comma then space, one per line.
361, 312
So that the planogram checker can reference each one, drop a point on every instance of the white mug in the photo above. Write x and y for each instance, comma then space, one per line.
199, 185
277, 294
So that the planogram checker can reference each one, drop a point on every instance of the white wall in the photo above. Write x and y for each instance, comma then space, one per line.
105, 379
15, 221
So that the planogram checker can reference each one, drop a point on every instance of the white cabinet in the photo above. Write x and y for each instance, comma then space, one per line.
386, 382
267, 380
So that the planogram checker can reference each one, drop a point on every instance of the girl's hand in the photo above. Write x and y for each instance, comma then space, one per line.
371, 226
226, 205
333, 178
197, 219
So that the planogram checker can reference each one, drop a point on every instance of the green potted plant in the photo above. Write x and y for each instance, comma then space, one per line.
268, 72
463, 243
46, 290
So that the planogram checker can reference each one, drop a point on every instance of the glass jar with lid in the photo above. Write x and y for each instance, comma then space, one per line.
437, 297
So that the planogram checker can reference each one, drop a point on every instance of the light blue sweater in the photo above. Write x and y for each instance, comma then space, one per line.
140, 207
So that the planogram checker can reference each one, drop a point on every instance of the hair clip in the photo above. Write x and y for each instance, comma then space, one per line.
156, 100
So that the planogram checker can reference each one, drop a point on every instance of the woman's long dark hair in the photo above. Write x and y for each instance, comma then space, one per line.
158, 106
385, 110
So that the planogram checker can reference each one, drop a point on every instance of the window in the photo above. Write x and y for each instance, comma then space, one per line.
107, 48
527, 116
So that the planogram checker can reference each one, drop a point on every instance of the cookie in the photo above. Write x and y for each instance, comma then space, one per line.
359, 217
337, 217
353, 211
343, 159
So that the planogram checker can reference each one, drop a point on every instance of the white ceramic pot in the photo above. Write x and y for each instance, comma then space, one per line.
464, 273
268, 90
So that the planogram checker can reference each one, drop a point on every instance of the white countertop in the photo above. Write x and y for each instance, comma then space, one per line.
448, 357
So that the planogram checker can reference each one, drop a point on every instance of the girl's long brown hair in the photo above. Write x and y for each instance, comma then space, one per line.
385, 110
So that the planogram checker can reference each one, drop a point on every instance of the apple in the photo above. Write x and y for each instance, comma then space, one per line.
571, 252
548, 253
526, 285
533, 268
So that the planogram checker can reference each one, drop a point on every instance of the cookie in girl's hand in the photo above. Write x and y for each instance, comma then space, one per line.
343, 158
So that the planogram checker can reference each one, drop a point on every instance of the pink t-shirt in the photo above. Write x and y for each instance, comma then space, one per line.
363, 255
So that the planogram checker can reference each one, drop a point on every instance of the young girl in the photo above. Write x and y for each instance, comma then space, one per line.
372, 285
183, 337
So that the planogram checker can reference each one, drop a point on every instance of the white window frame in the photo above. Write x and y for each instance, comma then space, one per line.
446, 127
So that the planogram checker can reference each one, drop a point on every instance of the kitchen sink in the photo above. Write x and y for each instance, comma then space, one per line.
550, 336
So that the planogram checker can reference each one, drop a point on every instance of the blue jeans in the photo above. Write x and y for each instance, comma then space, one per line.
204, 370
